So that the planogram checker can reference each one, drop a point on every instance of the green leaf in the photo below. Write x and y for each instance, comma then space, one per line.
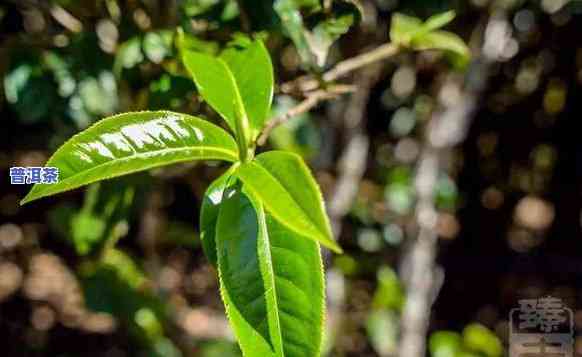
251, 66
444, 343
411, 32
271, 281
443, 40
241, 241
238, 84
326, 32
437, 21
314, 30
215, 83
132, 142
283, 183
403, 28
292, 22
209, 214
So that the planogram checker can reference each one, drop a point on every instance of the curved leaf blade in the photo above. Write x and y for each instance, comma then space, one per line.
437, 21
283, 183
250, 64
443, 40
215, 83
209, 211
299, 288
241, 243
132, 142
238, 84
271, 281
403, 28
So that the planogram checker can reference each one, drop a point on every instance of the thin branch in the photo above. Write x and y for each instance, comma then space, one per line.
308, 86
245, 21
312, 100
354, 156
308, 83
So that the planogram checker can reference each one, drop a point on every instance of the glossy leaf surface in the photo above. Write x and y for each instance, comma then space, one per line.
132, 142
271, 281
251, 66
238, 84
209, 214
215, 83
299, 287
283, 183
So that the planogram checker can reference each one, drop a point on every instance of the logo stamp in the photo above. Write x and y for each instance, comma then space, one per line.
541, 327
31, 175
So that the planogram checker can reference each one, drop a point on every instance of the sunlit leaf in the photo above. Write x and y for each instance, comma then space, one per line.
437, 21
283, 183
411, 32
313, 30
442, 40
209, 210
327, 31
238, 84
251, 66
292, 22
403, 28
133, 142
271, 281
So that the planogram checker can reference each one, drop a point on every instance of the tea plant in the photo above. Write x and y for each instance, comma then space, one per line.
262, 221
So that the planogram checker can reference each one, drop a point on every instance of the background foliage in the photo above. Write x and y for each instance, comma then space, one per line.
118, 269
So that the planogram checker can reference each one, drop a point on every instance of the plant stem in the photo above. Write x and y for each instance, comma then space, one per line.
242, 130
308, 85
307, 104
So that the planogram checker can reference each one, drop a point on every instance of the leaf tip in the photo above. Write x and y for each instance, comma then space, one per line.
334, 247
25, 200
